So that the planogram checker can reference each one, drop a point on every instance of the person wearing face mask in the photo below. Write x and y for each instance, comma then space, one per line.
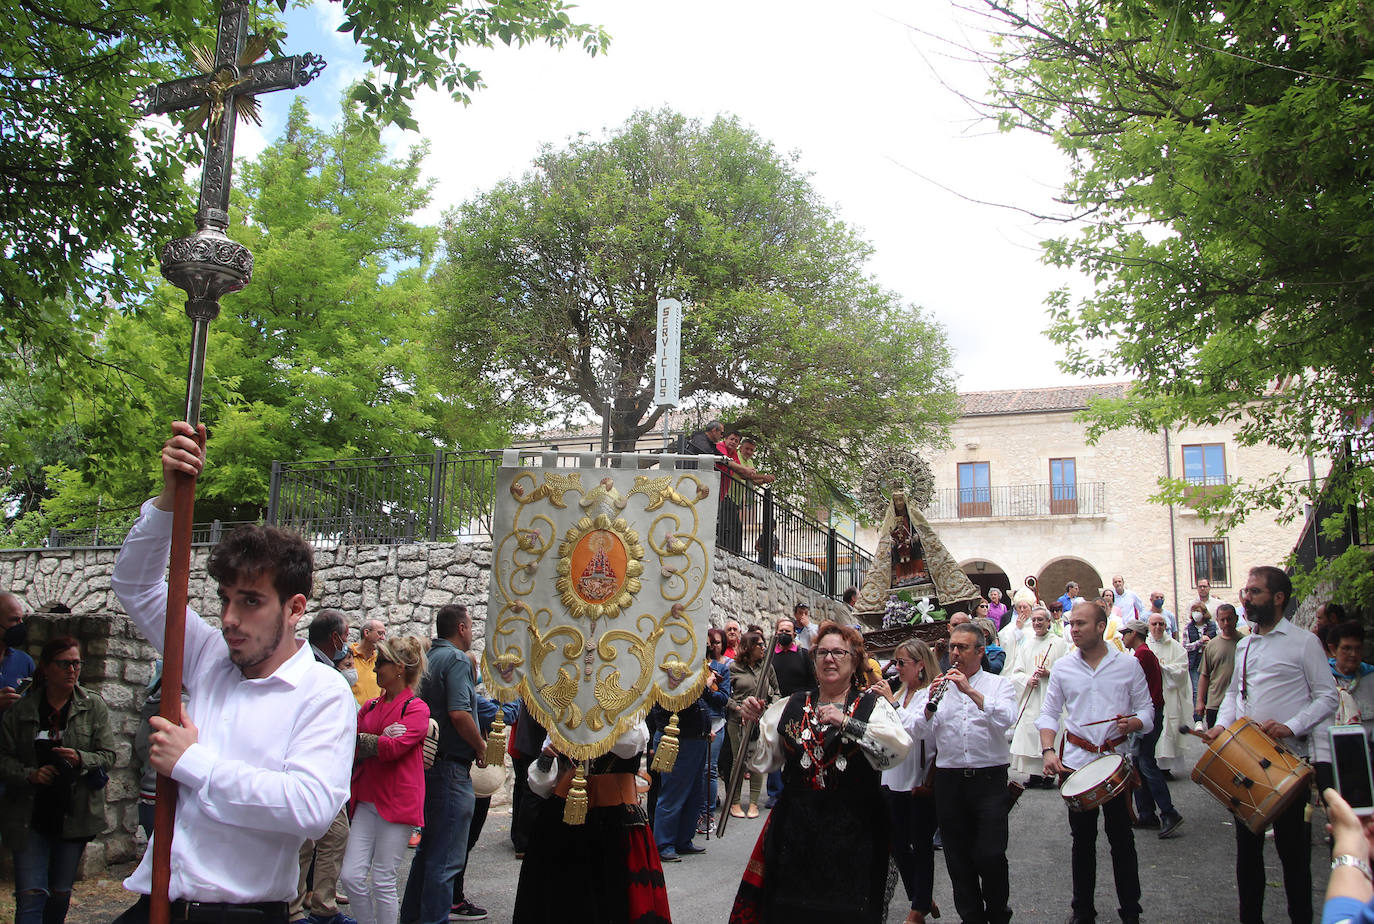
15, 664
1282, 681
1200, 630
1157, 606
318, 902
794, 671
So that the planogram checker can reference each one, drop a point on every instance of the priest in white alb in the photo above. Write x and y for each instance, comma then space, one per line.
1178, 690
1017, 626
1036, 653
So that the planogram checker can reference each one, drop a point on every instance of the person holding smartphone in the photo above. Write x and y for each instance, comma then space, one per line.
56, 747
16, 666
1350, 890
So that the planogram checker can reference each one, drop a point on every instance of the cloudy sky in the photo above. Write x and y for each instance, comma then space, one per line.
851, 87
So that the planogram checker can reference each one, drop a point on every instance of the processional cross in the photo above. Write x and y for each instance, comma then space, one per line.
207, 265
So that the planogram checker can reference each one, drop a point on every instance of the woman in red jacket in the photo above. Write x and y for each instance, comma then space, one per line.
388, 782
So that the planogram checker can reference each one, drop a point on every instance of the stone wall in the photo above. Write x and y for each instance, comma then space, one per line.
401, 585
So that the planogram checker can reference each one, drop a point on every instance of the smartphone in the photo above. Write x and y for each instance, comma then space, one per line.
22, 685
1350, 760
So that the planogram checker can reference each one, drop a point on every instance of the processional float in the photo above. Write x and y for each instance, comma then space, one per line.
207, 265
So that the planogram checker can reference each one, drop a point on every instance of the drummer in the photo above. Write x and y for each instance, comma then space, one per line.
1093, 683
1281, 681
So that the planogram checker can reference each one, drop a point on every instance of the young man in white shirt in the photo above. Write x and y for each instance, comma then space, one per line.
1282, 681
972, 756
1096, 682
265, 749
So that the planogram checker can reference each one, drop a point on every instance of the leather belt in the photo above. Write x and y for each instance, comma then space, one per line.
1106, 747
227, 913
603, 789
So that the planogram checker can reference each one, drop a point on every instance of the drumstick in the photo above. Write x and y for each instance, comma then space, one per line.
1112, 719
1189, 730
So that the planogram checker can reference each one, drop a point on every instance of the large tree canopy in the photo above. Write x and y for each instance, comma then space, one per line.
550, 285
326, 355
1222, 184
88, 190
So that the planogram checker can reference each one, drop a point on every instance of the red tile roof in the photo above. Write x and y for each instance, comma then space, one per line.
1031, 400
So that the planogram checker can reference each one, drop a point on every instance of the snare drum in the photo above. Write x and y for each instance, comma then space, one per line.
1251, 774
1097, 783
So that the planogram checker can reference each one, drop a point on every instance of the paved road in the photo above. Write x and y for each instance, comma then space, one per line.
1189, 879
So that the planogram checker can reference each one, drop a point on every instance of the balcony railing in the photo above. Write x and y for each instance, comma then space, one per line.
1014, 501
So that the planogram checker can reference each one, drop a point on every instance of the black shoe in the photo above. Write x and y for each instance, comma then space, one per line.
690, 850
1051, 783
1035, 781
1081, 919
1146, 821
1171, 825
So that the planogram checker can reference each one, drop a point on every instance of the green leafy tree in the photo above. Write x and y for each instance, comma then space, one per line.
550, 287
89, 190
326, 355
1220, 184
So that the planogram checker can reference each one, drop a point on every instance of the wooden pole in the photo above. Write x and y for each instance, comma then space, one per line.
737, 770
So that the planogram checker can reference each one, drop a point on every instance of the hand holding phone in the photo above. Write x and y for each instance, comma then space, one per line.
1351, 763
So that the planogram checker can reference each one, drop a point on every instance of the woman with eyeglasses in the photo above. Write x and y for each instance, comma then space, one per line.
720, 667
832, 743
907, 785
388, 782
56, 749
744, 683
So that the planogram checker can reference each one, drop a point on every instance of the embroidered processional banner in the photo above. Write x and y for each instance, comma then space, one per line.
601, 582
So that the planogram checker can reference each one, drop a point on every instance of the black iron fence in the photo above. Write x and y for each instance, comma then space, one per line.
448, 497
104, 537
1019, 500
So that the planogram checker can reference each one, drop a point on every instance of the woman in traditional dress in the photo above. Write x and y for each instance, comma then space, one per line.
907, 785
1030, 672
831, 742
605, 870
744, 683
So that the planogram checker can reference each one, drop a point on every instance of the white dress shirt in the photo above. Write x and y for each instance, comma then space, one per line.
885, 742
911, 772
966, 737
1131, 605
1116, 687
1283, 675
271, 766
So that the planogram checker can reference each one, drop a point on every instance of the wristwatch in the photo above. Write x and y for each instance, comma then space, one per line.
1044, 751
1346, 859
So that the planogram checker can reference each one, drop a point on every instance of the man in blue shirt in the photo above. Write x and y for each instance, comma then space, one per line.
447, 688
15, 663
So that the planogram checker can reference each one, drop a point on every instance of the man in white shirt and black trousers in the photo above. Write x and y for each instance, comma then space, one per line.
1095, 682
265, 748
1281, 681
972, 756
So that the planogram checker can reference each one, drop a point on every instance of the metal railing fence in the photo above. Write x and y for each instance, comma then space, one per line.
1019, 500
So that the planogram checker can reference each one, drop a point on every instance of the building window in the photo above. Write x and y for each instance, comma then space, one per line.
1205, 464
1063, 486
975, 489
1210, 562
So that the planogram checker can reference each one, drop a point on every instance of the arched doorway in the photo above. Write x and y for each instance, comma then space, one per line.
1058, 572
986, 575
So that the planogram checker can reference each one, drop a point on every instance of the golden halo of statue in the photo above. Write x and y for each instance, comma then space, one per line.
895, 470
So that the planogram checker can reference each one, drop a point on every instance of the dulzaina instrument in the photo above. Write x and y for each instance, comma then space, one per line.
1254, 776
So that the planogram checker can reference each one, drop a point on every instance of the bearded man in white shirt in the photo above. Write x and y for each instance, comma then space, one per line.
971, 760
265, 748
1282, 681
1096, 682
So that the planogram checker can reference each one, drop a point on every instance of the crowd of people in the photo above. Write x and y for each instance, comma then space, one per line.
314, 763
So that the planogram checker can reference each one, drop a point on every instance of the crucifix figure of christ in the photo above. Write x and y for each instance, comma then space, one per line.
207, 265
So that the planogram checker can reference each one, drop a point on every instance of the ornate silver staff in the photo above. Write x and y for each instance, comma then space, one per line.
207, 265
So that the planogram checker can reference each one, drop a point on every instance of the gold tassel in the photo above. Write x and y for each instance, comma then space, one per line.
496, 742
575, 810
666, 755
